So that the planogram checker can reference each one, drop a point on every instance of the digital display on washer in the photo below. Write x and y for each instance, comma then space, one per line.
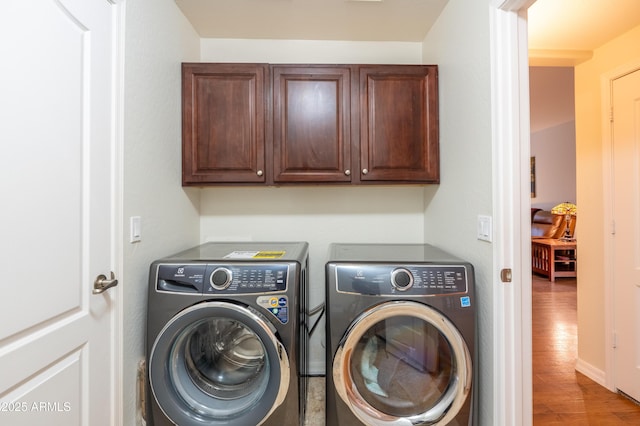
250, 278
409, 280
221, 278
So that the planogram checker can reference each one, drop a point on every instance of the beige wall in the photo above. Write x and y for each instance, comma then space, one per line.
590, 195
459, 43
158, 39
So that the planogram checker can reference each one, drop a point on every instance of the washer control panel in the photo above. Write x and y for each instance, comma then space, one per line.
409, 280
208, 278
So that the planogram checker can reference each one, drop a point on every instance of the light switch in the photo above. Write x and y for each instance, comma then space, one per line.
135, 229
484, 228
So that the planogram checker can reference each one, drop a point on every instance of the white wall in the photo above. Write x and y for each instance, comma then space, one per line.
158, 39
316, 214
555, 152
553, 134
459, 44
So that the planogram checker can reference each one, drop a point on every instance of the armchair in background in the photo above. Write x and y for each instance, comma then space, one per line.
545, 224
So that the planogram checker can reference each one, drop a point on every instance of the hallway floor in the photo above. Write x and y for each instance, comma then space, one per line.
561, 395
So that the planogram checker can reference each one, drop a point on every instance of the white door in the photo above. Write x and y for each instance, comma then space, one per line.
56, 139
626, 242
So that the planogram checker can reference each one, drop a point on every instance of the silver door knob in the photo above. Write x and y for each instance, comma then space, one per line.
347, 172
101, 284
365, 171
259, 173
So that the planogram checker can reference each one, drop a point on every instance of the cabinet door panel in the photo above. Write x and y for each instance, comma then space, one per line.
311, 130
399, 123
223, 123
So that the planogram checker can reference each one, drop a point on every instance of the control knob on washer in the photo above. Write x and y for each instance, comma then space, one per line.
401, 279
221, 278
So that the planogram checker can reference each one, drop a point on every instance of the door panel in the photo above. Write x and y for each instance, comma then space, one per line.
56, 167
626, 242
32, 404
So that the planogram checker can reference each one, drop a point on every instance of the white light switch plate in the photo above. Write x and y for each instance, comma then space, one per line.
135, 229
485, 230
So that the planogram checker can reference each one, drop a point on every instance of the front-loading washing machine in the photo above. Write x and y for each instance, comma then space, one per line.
400, 327
226, 335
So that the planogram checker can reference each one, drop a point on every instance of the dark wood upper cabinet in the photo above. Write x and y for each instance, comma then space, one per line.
311, 123
399, 123
286, 124
223, 125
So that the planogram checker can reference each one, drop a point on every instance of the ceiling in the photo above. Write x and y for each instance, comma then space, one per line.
565, 32
348, 20
559, 30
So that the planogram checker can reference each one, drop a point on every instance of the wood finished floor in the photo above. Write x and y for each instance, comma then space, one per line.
561, 395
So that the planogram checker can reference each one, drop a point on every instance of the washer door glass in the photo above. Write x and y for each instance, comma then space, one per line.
220, 363
223, 357
403, 360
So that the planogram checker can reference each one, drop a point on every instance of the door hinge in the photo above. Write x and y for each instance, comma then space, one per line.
615, 340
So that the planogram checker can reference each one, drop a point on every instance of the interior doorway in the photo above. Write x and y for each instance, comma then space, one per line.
596, 320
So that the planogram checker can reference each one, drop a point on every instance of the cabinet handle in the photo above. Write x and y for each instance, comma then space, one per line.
259, 173
347, 172
365, 171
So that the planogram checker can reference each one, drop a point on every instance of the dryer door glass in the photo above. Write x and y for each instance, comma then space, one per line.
402, 366
218, 362
403, 360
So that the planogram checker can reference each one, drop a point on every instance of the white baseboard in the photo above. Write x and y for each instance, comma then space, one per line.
591, 372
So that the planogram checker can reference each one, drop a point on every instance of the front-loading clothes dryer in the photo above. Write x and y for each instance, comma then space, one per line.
401, 336
226, 343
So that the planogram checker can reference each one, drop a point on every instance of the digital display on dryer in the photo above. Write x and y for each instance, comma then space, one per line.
377, 279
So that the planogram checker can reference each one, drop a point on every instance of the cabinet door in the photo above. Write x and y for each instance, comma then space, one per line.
399, 123
311, 124
223, 127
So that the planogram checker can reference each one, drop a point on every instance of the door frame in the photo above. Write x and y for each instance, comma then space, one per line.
606, 85
512, 363
117, 203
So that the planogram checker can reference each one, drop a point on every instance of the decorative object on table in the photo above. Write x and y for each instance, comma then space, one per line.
569, 210
533, 177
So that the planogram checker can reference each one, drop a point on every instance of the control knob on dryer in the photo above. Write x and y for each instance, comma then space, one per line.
401, 279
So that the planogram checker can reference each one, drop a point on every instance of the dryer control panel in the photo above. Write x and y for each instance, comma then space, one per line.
408, 280
208, 278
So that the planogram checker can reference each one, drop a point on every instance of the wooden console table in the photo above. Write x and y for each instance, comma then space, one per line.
554, 258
